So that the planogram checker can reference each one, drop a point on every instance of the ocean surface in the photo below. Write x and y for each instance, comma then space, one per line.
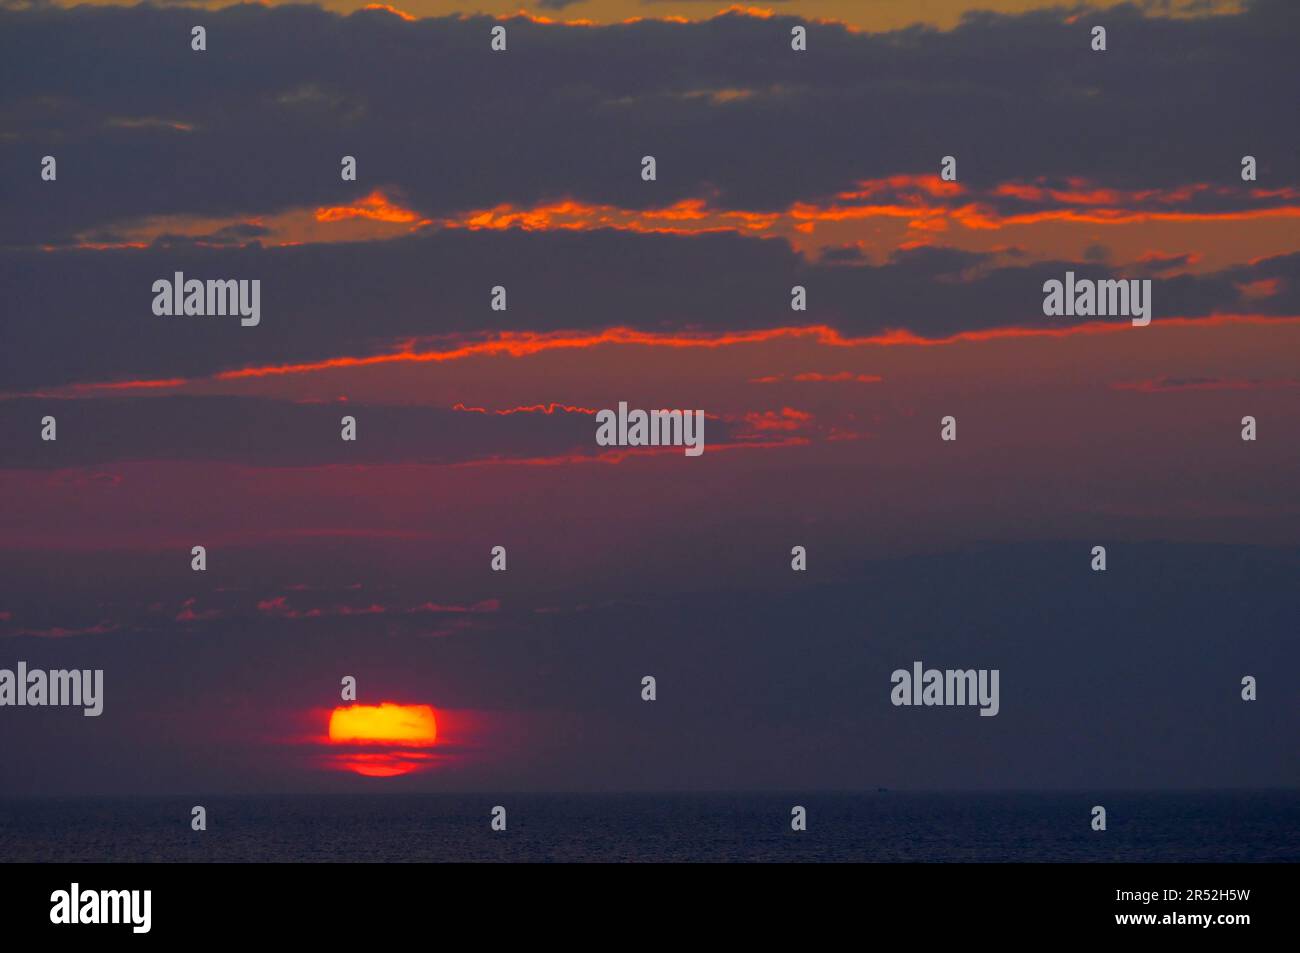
873, 827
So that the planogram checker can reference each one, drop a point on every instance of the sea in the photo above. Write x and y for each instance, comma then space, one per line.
872, 827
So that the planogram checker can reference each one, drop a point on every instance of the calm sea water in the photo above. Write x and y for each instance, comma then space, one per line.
1225, 827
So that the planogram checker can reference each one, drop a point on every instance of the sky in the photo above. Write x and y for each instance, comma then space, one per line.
476, 428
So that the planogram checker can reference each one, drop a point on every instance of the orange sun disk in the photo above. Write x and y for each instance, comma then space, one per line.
386, 725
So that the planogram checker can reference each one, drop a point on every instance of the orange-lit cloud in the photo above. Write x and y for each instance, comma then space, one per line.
136, 385
879, 216
373, 217
686, 217
390, 9
876, 216
526, 343
926, 201
374, 206
852, 16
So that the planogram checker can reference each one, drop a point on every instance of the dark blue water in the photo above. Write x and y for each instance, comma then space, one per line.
1224, 827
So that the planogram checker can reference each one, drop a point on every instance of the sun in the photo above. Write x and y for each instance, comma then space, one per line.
400, 733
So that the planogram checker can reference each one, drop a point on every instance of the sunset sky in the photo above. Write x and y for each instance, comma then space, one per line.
476, 428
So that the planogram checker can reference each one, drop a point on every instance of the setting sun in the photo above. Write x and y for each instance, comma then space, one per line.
387, 725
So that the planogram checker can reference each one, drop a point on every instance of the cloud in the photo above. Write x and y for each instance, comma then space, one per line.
548, 140
570, 110
82, 317
279, 607
63, 632
278, 433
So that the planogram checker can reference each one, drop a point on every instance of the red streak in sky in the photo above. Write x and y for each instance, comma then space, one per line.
525, 343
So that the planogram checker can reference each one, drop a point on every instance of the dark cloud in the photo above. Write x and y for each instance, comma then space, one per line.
282, 93
284, 433
81, 316
845, 253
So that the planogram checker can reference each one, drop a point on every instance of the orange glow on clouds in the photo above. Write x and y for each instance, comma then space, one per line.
390, 9
877, 216
374, 206
387, 725
525, 343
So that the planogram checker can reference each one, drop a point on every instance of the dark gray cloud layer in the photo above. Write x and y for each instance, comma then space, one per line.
78, 316
427, 107
284, 433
